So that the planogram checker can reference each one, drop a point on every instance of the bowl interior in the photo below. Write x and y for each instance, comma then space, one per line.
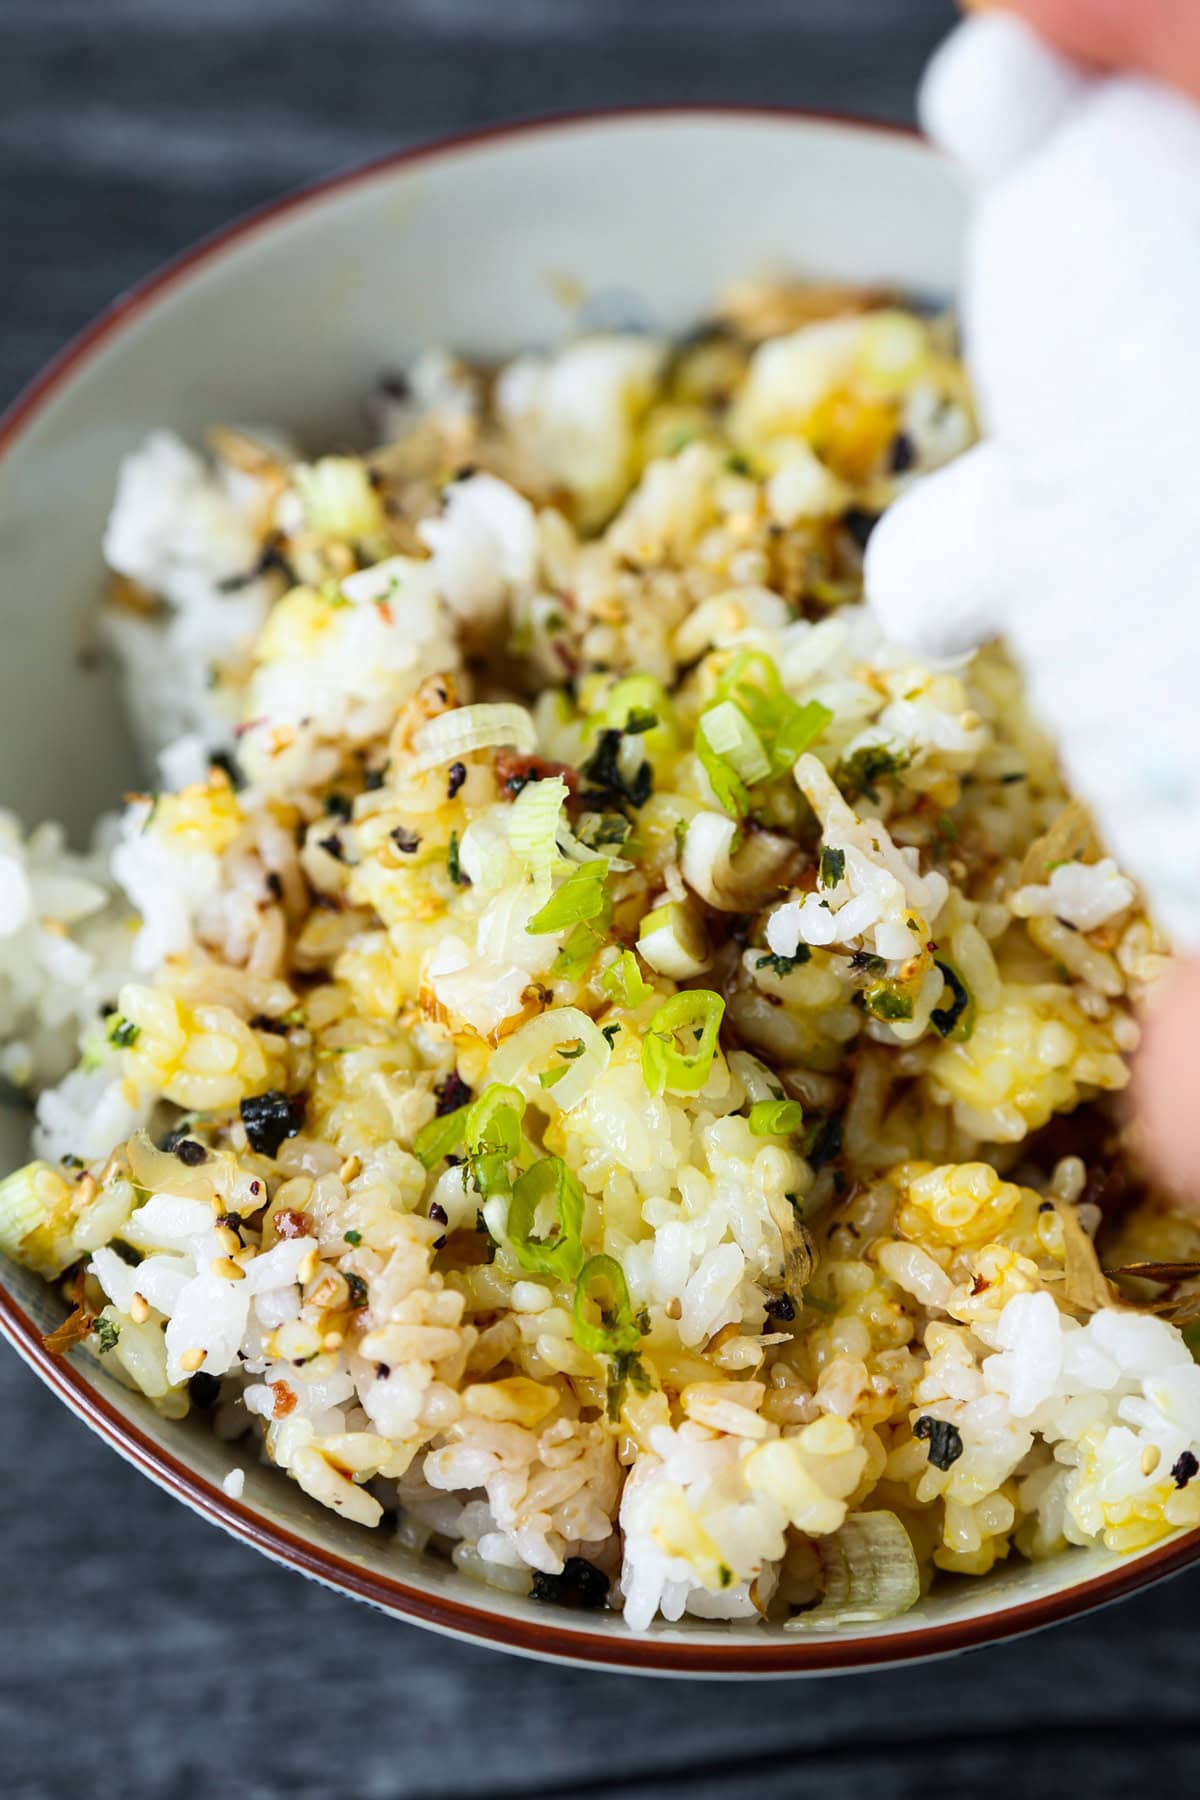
488, 246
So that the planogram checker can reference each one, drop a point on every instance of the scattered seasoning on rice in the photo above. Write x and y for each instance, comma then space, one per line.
269, 1118
1184, 1469
834, 894
945, 1440
581, 1586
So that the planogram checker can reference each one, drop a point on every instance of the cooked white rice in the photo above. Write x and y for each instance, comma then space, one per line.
635, 1047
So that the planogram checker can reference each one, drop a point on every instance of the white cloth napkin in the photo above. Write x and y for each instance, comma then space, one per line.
1074, 528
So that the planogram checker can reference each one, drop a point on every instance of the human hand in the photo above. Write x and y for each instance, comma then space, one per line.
1069, 528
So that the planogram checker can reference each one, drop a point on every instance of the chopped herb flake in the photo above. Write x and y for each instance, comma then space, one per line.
269, 1118
833, 866
108, 1333
945, 1440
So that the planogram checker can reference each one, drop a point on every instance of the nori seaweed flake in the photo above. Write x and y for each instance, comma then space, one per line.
1184, 1469
452, 1093
945, 1440
581, 1586
269, 1118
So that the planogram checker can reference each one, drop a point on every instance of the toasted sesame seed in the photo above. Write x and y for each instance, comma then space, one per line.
87, 1190
674, 1309
1151, 1457
191, 1360
139, 1309
228, 1239
227, 1269
333, 1340
309, 1266
350, 1168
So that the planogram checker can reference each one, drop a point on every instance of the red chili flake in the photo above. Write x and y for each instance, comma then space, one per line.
286, 1400
514, 772
385, 611
292, 1224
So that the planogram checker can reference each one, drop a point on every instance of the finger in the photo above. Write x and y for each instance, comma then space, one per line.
1153, 37
994, 91
933, 567
1167, 1084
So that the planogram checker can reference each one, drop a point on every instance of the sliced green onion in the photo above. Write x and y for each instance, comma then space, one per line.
870, 1571
493, 1137
580, 897
562, 1031
338, 498
551, 1077
559, 1253
696, 1015
578, 952
602, 1317
799, 728
776, 1118
673, 941
465, 729
638, 704
730, 735
533, 824
785, 728
441, 1137
729, 790
623, 981
832, 867
30, 1197
958, 1019
884, 1002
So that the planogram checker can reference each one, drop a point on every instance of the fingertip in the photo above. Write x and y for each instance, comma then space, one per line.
994, 91
1167, 1083
930, 569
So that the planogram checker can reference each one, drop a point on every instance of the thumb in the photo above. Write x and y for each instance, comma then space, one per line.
933, 572
1148, 37
1167, 1083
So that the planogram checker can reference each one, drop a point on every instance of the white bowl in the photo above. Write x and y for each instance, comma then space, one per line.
288, 318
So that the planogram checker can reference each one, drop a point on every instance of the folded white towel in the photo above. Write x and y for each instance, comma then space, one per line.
1074, 529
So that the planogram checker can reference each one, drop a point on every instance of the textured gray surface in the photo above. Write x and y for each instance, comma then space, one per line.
141, 1653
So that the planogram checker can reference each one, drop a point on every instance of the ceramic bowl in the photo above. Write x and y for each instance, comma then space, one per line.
486, 244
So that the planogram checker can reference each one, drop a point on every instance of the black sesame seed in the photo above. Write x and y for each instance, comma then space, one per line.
780, 1306
276, 1027
333, 846
271, 1117
1184, 1469
457, 775
581, 1585
860, 524
227, 762
452, 1093
405, 841
902, 455
438, 1213
339, 806
190, 1153
383, 1370
945, 1440
203, 1390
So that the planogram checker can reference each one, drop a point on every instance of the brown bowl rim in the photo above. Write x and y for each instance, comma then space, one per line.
742, 1655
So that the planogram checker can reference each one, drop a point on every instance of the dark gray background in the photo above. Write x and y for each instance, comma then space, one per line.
141, 1653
